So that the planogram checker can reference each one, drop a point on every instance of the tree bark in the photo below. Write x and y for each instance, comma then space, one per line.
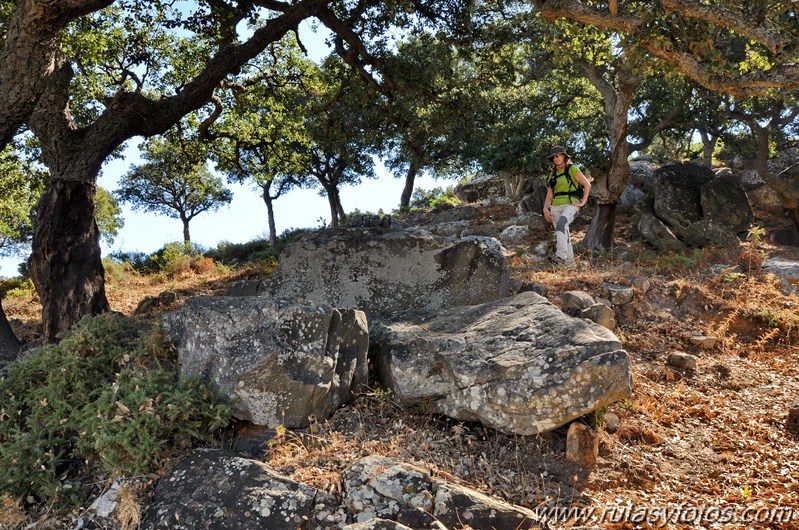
600, 231
9, 344
342, 216
708, 146
270, 213
794, 214
330, 192
28, 55
65, 263
608, 190
186, 235
407, 191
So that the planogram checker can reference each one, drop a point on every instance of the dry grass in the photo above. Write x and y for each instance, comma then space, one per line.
12, 516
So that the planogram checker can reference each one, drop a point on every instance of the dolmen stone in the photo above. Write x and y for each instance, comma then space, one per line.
211, 488
383, 271
276, 364
518, 365
379, 487
215, 489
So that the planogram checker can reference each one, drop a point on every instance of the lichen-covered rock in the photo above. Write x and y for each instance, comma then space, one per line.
518, 365
766, 199
785, 269
384, 271
378, 487
515, 235
678, 193
576, 300
480, 186
212, 489
458, 213
657, 234
724, 203
276, 364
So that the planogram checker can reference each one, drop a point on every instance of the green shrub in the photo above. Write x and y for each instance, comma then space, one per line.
256, 251
118, 272
107, 397
137, 260
16, 287
238, 253
425, 199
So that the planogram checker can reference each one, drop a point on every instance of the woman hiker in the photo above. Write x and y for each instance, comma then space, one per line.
567, 192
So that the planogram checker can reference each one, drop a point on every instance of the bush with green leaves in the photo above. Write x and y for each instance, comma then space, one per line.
437, 196
15, 287
256, 251
106, 400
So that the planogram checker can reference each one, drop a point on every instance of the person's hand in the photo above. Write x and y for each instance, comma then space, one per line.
547, 215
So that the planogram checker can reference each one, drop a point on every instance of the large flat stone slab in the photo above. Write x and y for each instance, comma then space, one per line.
519, 365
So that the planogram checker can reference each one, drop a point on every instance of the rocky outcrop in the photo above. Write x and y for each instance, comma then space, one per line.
387, 272
785, 269
640, 184
480, 186
518, 365
694, 207
276, 364
382, 488
679, 192
216, 489
725, 204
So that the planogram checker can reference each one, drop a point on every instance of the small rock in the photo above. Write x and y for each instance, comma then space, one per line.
682, 360
105, 504
146, 305
601, 314
612, 422
532, 286
641, 285
576, 299
582, 444
600, 300
703, 341
167, 297
619, 295
792, 425
515, 235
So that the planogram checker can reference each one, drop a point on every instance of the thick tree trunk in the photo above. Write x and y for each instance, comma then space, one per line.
9, 344
608, 191
186, 234
342, 216
407, 191
270, 214
65, 264
708, 146
794, 213
600, 232
330, 191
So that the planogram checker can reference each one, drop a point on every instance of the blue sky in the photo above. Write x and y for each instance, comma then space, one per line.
245, 218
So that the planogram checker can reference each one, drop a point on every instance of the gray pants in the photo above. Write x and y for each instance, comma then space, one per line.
562, 217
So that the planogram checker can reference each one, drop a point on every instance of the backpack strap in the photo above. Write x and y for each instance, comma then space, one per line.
576, 192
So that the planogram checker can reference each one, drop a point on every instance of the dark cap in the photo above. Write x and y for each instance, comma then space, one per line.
557, 150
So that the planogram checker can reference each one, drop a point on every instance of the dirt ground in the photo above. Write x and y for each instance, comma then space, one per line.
701, 448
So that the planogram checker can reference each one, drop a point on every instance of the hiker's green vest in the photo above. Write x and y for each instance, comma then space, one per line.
565, 190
